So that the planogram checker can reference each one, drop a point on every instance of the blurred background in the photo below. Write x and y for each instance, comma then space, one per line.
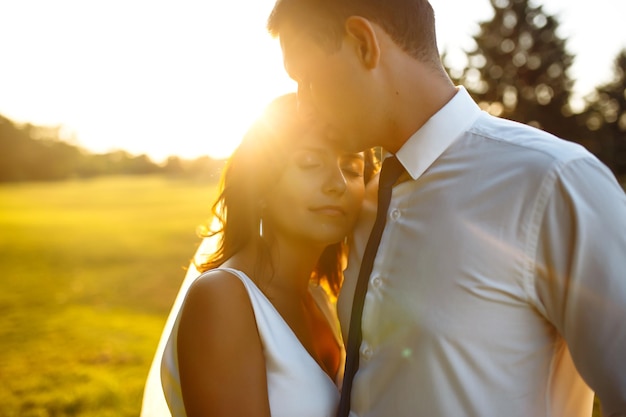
116, 117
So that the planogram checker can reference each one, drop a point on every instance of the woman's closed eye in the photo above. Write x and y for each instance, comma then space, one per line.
353, 167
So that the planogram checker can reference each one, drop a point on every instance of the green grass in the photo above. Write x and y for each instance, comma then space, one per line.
90, 269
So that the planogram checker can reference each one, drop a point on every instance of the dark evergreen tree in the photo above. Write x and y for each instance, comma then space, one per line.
518, 69
605, 117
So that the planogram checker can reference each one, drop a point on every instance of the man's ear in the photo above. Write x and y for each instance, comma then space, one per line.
363, 36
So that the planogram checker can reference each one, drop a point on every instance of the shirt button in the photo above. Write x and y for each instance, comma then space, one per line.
367, 353
377, 282
395, 214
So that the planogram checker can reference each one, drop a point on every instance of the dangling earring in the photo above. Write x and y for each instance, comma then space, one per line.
262, 206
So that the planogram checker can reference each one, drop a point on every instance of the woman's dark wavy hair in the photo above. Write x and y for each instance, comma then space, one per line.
249, 174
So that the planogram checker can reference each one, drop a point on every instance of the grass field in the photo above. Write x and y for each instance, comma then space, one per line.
89, 271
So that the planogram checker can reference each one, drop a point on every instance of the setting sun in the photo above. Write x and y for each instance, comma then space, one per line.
164, 78
187, 78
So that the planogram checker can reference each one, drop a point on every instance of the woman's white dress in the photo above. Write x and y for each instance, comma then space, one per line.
297, 386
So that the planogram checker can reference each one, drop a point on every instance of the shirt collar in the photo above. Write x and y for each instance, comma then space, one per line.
438, 133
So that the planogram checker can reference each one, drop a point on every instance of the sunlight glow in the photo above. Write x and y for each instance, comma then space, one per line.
187, 78
164, 78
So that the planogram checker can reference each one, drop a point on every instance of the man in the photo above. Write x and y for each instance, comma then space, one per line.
498, 287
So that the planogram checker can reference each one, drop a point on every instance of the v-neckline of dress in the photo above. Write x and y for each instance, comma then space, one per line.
282, 319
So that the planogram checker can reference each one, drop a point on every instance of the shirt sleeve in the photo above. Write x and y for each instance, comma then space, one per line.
581, 274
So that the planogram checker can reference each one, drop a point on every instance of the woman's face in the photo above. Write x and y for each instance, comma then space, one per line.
318, 196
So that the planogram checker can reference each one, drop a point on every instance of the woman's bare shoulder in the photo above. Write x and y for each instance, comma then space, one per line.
218, 289
219, 349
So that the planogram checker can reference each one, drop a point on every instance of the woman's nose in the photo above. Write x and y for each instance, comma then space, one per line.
335, 181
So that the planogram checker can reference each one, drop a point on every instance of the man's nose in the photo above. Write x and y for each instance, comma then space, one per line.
305, 108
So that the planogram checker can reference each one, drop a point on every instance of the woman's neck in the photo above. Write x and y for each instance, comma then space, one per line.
286, 269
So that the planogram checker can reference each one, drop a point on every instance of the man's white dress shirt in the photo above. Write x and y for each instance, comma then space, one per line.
499, 287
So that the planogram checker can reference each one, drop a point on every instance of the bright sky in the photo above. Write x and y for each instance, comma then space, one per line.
186, 77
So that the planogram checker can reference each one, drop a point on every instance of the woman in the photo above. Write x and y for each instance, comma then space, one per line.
256, 335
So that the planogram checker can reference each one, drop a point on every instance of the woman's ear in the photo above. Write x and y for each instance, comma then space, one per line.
363, 36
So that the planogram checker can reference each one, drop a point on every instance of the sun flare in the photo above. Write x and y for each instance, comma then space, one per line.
242, 103
187, 78
184, 80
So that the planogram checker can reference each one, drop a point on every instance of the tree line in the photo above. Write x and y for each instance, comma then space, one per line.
36, 153
518, 68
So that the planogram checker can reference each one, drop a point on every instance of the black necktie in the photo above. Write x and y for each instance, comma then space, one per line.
389, 174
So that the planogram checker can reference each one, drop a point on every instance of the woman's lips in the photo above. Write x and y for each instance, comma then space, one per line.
333, 211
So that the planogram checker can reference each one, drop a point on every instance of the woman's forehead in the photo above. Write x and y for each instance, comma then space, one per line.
315, 140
